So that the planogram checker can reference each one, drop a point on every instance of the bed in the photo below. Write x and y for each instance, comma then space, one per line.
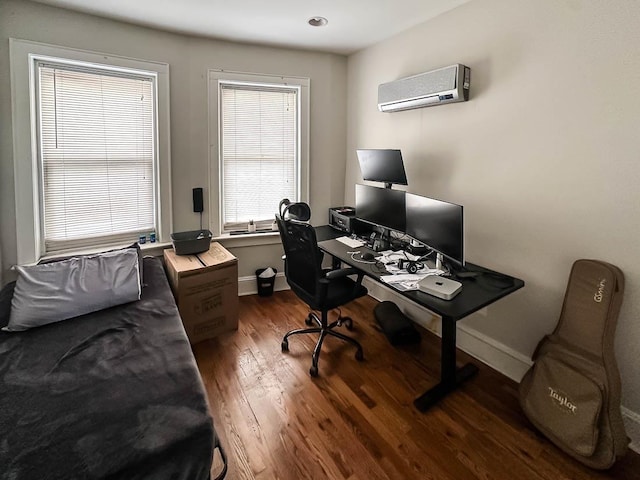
113, 394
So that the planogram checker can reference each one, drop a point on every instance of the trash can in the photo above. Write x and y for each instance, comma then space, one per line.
266, 278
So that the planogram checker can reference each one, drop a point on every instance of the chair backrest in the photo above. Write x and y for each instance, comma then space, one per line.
294, 211
303, 263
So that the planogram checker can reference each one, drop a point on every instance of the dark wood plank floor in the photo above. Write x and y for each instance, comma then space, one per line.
356, 420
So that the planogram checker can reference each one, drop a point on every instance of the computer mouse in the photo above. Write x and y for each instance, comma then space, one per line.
367, 256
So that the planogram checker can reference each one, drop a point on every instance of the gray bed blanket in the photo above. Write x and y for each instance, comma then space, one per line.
115, 394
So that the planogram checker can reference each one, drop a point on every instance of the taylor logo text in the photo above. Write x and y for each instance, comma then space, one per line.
562, 400
600, 291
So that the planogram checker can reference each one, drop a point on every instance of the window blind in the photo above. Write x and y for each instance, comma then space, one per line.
259, 150
97, 148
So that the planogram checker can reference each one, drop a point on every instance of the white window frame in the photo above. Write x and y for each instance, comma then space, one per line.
215, 78
23, 56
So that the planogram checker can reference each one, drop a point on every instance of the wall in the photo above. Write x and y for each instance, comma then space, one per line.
544, 156
189, 58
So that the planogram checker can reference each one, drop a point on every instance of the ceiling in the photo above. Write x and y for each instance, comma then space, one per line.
353, 24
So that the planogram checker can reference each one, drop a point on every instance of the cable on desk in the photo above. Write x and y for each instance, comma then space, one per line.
360, 260
376, 266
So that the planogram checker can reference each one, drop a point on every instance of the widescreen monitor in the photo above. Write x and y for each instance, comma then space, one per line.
381, 206
382, 166
437, 224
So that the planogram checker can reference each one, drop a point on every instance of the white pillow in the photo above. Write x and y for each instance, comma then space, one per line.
56, 291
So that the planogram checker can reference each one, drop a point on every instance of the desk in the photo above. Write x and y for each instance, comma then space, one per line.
477, 293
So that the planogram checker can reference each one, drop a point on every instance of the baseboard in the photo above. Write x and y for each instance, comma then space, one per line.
489, 351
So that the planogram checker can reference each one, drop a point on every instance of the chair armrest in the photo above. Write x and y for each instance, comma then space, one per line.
342, 272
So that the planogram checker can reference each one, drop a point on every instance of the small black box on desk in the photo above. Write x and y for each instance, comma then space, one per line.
341, 218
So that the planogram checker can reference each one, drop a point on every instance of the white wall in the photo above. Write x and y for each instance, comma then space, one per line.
544, 157
189, 58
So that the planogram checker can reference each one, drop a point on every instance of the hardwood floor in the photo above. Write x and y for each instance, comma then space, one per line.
356, 420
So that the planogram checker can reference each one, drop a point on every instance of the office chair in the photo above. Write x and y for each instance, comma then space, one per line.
323, 290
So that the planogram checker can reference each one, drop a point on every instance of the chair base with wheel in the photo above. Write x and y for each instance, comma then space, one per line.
324, 328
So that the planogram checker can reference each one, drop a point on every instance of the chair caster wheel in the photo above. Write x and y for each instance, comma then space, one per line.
347, 322
313, 371
285, 346
359, 355
309, 320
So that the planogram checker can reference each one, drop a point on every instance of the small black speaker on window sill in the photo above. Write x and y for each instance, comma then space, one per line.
198, 203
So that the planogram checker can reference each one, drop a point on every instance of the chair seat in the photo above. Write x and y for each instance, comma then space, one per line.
339, 292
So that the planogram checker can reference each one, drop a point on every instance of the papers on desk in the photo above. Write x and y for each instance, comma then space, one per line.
390, 259
408, 281
398, 279
401, 279
350, 242
403, 282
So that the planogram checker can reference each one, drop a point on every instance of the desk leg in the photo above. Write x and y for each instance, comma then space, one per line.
450, 376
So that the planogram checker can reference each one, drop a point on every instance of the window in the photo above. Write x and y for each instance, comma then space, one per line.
261, 155
91, 143
96, 143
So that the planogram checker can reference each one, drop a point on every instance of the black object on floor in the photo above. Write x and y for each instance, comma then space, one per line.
266, 284
398, 329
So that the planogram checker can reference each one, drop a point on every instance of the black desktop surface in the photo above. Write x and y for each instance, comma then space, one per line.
477, 292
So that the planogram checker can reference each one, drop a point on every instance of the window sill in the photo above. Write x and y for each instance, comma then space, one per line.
155, 249
148, 249
248, 239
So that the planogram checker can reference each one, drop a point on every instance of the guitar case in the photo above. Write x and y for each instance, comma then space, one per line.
572, 392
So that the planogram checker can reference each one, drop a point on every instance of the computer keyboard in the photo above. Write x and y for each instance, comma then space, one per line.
350, 242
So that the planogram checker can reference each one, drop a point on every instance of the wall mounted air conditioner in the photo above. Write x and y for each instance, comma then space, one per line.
444, 85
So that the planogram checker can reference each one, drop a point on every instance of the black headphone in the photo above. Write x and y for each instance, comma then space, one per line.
410, 266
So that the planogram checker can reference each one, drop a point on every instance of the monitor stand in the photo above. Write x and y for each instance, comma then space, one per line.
381, 243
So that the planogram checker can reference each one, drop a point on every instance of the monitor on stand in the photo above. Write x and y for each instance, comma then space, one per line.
438, 225
381, 207
384, 166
